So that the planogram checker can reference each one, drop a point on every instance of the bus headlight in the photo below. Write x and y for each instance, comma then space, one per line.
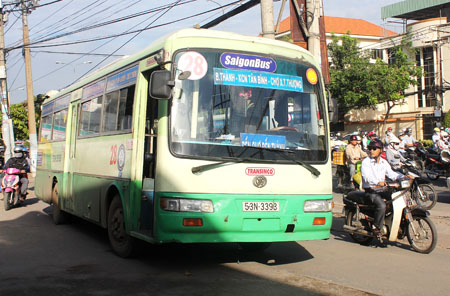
186, 205
320, 205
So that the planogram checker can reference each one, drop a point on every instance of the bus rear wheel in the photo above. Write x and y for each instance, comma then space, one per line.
59, 216
121, 243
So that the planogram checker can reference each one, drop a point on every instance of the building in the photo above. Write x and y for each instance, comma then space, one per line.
425, 24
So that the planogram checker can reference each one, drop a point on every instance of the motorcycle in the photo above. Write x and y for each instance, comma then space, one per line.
11, 187
404, 217
422, 191
437, 165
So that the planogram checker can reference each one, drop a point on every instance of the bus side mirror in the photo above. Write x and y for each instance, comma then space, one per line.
161, 84
333, 110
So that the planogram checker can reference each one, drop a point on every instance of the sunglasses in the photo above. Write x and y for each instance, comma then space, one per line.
373, 148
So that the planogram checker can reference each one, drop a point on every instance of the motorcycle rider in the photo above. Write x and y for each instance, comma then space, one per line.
436, 137
353, 154
443, 141
389, 135
374, 171
20, 162
408, 139
393, 155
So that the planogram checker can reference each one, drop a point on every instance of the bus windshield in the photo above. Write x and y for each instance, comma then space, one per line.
229, 108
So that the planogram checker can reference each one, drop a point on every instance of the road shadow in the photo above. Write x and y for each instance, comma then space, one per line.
77, 257
338, 232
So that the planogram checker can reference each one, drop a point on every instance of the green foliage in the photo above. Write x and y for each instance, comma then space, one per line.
427, 143
18, 113
349, 73
358, 84
446, 122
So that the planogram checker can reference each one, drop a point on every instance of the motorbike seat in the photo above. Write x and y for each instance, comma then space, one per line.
358, 197
435, 156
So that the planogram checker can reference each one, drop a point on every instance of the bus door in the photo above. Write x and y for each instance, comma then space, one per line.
69, 198
151, 125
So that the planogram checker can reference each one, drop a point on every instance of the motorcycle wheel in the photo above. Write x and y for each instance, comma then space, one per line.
360, 239
431, 176
419, 166
6, 200
425, 237
429, 196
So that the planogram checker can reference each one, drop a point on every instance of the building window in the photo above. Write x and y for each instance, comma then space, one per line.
429, 78
419, 82
391, 56
377, 54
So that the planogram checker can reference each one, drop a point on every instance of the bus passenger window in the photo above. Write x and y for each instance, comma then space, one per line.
90, 117
110, 111
125, 108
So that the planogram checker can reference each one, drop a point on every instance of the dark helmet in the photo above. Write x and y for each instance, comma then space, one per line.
375, 144
19, 151
353, 138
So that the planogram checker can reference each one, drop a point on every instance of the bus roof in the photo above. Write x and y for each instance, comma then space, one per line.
160, 44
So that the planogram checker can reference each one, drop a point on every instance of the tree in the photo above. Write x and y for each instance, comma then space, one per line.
349, 74
389, 81
358, 84
18, 113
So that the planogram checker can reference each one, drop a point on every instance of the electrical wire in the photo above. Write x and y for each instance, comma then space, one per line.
129, 40
95, 26
124, 33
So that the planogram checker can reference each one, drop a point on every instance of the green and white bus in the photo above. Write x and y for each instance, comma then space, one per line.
203, 137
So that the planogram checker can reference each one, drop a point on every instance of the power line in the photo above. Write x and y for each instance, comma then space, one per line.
126, 33
76, 53
153, 10
129, 40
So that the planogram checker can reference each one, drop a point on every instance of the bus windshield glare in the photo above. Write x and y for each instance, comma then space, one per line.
227, 107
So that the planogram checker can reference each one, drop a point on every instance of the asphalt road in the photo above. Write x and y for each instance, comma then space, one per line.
39, 258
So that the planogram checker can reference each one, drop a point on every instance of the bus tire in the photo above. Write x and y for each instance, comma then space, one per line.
121, 243
59, 216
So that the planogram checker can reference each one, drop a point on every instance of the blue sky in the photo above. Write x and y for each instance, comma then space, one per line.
56, 71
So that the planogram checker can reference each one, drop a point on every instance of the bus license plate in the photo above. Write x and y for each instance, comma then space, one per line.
260, 206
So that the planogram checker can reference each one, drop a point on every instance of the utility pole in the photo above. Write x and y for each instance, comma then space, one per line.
29, 82
267, 19
313, 10
7, 130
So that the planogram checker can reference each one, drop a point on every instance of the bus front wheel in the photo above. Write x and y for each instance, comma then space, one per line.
121, 243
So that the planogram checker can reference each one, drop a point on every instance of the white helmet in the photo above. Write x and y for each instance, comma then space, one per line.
394, 140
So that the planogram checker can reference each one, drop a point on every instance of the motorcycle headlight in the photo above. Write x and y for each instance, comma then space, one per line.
405, 184
322, 205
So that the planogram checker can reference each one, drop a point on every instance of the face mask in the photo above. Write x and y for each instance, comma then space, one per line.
18, 154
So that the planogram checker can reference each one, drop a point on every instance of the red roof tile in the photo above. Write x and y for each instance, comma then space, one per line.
340, 25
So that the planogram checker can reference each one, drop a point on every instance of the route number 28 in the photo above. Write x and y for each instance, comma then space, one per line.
195, 63
113, 159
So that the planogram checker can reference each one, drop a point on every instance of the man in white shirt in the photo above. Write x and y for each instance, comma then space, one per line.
408, 139
374, 171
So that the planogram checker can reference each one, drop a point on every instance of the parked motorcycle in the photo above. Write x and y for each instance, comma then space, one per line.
11, 187
404, 217
437, 165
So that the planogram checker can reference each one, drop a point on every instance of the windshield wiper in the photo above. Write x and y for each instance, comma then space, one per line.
284, 153
205, 167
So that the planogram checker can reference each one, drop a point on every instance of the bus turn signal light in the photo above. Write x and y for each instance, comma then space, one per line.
319, 221
192, 222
